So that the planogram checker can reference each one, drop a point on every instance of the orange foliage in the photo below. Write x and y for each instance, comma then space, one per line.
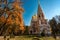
19, 14
2, 19
18, 19
9, 21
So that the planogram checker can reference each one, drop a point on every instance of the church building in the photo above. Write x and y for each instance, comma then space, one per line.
39, 24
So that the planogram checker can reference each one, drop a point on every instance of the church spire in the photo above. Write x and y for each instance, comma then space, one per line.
40, 12
39, 7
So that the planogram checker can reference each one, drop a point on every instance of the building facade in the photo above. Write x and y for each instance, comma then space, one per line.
39, 24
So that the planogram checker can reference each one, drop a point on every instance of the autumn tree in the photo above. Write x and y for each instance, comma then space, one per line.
11, 17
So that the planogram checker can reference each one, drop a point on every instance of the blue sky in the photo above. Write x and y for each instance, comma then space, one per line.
50, 9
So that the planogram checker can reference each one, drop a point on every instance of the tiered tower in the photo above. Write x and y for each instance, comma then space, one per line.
42, 22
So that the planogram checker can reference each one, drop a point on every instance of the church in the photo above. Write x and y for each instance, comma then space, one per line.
39, 24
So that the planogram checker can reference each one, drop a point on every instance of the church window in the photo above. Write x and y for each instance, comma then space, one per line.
42, 22
39, 15
45, 22
34, 30
31, 31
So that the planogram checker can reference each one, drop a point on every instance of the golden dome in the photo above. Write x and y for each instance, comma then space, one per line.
34, 17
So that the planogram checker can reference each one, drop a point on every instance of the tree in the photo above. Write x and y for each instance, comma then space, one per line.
26, 30
53, 25
58, 28
57, 19
11, 16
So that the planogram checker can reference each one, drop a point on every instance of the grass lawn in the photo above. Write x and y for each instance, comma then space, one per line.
30, 38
